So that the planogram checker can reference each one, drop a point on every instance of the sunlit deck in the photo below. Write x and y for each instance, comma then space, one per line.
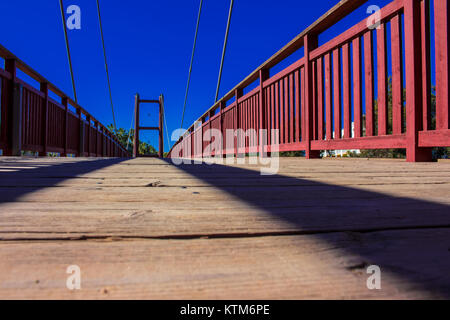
145, 228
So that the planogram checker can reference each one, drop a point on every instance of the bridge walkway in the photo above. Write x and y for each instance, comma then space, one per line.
145, 228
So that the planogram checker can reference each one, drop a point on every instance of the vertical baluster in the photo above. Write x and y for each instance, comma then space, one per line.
311, 42
357, 87
382, 80
263, 114
397, 74
441, 16
413, 83
337, 92
319, 99
291, 108
368, 66
81, 131
314, 100
304, 118
277, 112
286, 110
426, 64
298, 118
328, 96
272, 116
65, 103
282, 111
346, 89
15, 113
237, 94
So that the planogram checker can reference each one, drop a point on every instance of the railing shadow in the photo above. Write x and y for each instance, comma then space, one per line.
320, 209
12, 171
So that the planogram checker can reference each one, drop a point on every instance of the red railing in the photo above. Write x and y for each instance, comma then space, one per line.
32, 121
368, 88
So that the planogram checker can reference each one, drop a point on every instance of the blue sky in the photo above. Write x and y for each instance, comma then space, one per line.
149, 45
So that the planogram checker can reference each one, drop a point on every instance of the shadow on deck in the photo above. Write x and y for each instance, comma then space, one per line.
311, 205
320, 209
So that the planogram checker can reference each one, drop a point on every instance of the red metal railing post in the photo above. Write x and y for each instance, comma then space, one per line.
65, 103
44, 89
441, 14
310, 43
15, 111
161, 121
136, 127
413, 61
14, 143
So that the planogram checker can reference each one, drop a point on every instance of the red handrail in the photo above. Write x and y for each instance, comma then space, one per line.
344, 94
32, 121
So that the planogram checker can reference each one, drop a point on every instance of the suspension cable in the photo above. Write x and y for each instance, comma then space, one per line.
68, 50
131, 126
106, 63
224, 50
192, 61
165, 124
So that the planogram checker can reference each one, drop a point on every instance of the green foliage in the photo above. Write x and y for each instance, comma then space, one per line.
123, 134
438, 153
289, 154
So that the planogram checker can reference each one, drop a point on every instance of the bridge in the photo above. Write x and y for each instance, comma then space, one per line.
197, 226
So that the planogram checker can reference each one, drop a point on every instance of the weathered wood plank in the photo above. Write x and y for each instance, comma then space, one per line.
331, 266
46, 204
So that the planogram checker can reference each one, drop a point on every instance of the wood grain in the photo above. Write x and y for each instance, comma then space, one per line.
316, 226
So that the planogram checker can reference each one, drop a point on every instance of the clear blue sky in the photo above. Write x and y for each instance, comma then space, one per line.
149, 44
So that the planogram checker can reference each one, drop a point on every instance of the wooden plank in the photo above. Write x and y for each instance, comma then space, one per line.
127, 224
358, 192
329, 266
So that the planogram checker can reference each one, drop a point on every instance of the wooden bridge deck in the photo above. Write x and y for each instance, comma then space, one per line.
144, 228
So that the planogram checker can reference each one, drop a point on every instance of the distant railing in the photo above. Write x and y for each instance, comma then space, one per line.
368, 88
32, 121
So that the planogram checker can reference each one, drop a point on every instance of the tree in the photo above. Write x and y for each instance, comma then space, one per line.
123, 135
438, 153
